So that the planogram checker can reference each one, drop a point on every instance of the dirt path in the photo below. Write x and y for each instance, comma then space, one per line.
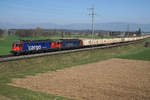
114, 79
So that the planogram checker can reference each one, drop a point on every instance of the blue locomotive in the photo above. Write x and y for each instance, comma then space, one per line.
35, 46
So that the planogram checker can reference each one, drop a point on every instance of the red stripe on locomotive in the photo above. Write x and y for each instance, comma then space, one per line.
81, 43
17, 47
56, 44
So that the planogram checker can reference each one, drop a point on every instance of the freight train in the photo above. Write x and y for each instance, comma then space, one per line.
36, 46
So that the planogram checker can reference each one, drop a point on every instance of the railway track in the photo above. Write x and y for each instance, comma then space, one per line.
7, 58
4, 56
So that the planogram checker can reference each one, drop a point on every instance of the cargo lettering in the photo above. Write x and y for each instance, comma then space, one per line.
34, 47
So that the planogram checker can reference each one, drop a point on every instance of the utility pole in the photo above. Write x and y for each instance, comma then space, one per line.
128, 29
92, 14
139, 30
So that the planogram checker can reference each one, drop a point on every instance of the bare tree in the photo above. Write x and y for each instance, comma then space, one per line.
1, 32
24, 33
5, 33
38, 31
50, 32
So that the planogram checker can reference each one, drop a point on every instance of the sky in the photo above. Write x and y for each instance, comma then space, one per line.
74, 11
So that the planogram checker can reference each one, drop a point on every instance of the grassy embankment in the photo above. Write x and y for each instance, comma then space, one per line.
140, 55
22, 68
143, 54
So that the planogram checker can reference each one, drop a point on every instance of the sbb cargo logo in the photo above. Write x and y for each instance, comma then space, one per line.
34, 47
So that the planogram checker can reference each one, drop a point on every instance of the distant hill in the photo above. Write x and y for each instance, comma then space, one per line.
79, 26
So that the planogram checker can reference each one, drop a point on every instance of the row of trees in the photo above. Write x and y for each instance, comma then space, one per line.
41, 32
31, 32
37, 32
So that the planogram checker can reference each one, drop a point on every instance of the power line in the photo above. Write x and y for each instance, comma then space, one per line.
128, 27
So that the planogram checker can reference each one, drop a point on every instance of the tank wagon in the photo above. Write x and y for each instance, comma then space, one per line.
35, 46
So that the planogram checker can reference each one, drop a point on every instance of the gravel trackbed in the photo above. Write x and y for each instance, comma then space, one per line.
113, 79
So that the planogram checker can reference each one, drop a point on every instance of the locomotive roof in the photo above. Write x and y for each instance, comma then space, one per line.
48, 40
69, 40
35, 41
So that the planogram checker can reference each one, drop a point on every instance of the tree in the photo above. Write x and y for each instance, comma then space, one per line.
138, 33
50, 32
62, 35
39, 31
5, 33
1, 32
24, 33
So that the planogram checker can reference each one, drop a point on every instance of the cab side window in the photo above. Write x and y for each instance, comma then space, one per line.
59, 42
21, 45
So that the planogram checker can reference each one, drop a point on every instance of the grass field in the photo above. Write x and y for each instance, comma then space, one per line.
22, 68
141, 55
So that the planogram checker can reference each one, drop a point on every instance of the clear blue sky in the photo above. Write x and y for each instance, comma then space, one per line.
74, 11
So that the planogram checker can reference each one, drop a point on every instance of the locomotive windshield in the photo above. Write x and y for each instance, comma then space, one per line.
17, 45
